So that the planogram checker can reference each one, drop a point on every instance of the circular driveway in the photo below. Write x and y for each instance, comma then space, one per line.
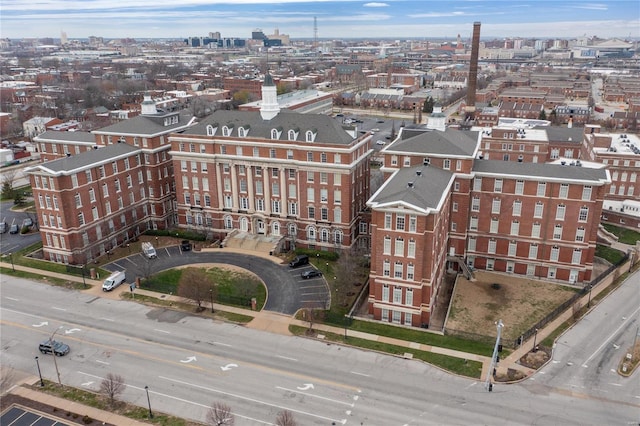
287, 291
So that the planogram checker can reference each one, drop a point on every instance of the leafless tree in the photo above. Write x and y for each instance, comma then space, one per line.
7, 378
8, 178
112, 386
285, 418
220, 415
196, 285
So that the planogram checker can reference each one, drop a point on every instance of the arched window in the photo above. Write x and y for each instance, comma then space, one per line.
292, 135
311, 233
210, 130
226, 131
310, 136
275, 229
324, 235
244, 224
337, 236
243, 132
275, 134
228, 222
292, 229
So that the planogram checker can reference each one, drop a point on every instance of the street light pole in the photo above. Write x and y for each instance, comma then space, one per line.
211, 296
55, 361
589, 301
146, 388
39, 372
84, 282
535, 337
13, 268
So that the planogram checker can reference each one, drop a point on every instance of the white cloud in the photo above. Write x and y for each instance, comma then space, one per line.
374, 4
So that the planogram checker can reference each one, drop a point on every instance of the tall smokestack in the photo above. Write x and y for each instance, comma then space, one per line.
473, 72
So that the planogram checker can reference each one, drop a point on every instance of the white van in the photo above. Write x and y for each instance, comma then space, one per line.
149, 251
113, 281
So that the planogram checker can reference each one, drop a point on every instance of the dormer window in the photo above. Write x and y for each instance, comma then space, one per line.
226, 130
243, 132
292, 134
275, 133
211, 131
310, 135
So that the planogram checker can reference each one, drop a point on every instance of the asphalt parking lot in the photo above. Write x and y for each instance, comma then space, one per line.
287, 291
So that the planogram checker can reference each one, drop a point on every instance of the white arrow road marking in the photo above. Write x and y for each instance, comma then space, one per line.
87, 384
228, 367
306, 386
12, 298
310, 395
42, 324
189, 359
355, 397
304, 413
71, 330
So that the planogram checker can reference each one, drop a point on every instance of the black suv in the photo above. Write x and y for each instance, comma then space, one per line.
300, 260
185, 245
311, 274
55, 347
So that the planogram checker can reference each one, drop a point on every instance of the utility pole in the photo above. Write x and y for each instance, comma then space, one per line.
494, 358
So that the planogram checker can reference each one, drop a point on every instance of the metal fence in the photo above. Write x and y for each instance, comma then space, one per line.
560, 309
467, 335
233, 300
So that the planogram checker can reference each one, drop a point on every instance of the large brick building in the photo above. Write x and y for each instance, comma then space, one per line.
301, 178
443, 207
95, 191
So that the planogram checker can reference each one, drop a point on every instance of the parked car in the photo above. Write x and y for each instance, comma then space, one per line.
28, 222
380, 142
185, 245
380, 121
149, 251
14, 229
54, 347
4, 227
375, 130
113, 281
311, 274
299, 260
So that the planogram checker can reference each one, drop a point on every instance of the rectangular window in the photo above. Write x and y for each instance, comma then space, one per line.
495, 206
386, 248
519, 187
385, 293
337, 196
472, 244
475, 204
515, 228
397, 273
324, 195
537, 212
557, 232
533, 251
560, 211
387, 221
517, 208
312, 212
310, 176
513, 248
577, 256
497, 185
555, 253
447, 164
586, 193
564, 190
584, 213
542, 189
580, 234
310, 194
492, 246
399, 247
400, 222
473, 224
411, 249
324, 177
535, 230
413, 223
494, 225
477, 184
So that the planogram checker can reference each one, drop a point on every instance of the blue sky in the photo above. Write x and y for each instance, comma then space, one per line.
336, 19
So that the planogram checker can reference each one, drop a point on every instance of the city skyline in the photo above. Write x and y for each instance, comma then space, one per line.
336, 19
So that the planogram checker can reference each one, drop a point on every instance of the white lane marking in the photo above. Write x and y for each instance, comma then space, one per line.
102, 362
179, 399
472, 384
615, 384
107, 319
167, 250
287, 358
161, 331
359, 374
222, 344
58, 309
131, 261
12, 298
343, 421
348, 404
612, 334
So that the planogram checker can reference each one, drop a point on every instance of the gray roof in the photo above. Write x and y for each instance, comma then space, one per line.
146, 125
540, 171
85, 159
564, 134
329, 131
423, 188
56, 135
450, 142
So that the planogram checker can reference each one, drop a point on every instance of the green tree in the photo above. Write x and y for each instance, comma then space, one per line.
18, 198
428, 105
543, 115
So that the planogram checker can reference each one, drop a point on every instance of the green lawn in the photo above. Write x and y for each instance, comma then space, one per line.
609, 254
626, 236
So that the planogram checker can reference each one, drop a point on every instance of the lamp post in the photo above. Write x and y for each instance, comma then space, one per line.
146, 388
129, 247
84, 282
55, 361
589, 300
13, 268
39, 372
211, 296
535, 337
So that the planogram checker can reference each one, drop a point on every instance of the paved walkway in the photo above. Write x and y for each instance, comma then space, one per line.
277, 323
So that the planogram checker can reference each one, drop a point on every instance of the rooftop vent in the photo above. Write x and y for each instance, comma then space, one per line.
419, 172
410, 185
578, 163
